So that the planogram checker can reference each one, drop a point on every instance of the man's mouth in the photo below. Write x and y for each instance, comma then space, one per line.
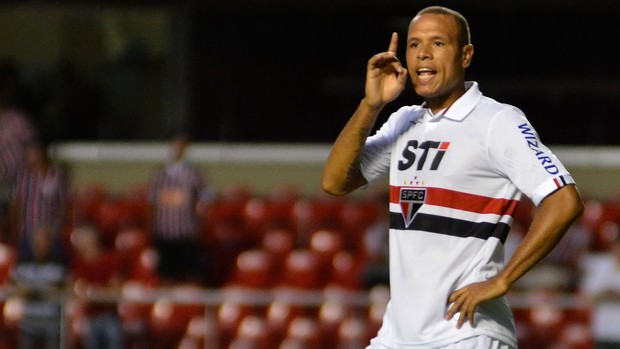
425, 74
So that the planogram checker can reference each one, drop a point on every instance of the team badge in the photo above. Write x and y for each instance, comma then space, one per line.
410, 201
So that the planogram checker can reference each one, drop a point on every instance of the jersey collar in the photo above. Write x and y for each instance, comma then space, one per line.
463, 106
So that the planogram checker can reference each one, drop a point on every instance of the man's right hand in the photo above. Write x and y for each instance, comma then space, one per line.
385, 77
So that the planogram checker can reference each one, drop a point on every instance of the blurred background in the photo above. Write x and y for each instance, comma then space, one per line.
262, 88
276, 71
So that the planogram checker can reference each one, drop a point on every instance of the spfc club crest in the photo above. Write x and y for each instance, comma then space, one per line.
410, 201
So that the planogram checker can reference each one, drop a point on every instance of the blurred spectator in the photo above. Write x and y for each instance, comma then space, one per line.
566, 255
40, 282
560, 269
16, 130
376, 245
601, 283
40, 198
178, 195
94, 275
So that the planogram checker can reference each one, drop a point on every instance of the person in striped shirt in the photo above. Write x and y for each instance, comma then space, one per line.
17, 129
178, 193
40, 199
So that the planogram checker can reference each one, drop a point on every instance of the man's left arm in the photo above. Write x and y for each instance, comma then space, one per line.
556, 214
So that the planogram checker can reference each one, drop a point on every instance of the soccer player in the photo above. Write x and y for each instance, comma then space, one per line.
458, 165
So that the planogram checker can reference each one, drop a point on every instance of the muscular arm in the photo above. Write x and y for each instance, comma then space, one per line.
556, 214
385, 80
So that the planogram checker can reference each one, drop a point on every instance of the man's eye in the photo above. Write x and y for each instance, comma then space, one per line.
438, 43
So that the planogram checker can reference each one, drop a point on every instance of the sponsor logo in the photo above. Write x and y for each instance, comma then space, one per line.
534, 144
419, 153
410, 201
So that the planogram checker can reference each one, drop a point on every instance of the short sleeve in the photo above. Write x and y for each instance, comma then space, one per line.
375, 161
516, 151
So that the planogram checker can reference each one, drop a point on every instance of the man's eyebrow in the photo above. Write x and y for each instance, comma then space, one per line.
432, 38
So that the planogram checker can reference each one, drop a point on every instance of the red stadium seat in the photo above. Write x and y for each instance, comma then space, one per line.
358, 214
352, 333
171, 314
261, 214
229, 315
326, 244
110, 216
228, 239
135, 198
229, 205
86, 201
302, 269
253, 333
306, 330
144, 270
279, 315
12, 313
7, 262
252, 270
310, 215
576, 336
346, 271
134, 312
331, 315
204, 331
130, 243
278, 243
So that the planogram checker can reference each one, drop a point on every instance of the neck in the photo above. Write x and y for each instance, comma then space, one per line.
437, 103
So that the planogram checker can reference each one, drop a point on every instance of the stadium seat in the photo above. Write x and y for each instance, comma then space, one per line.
171, 314
204, 331
252, 333
111, 214
144, 269
227, 240
302, 269
358, 214
230, 313
130, 243
279, 315
312, 214
352, 333
576, 335
134, 311
326, 244
306, 330
261, 214
12, 313
331, 314
85, 201
278, 243
136, 201
346, 271
252, 270
7, 262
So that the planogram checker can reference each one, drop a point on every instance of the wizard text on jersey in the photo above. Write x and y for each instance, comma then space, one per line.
534, 144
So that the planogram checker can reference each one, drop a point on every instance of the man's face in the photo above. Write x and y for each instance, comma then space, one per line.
435, 60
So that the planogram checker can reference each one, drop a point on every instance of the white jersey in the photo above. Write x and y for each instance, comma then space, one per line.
455, 181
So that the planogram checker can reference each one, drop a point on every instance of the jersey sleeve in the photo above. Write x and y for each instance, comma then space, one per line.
375, 161
517, 152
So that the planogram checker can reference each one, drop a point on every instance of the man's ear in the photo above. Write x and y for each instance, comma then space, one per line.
468, 54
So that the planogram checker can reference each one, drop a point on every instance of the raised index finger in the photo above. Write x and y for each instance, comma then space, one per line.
393, 43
